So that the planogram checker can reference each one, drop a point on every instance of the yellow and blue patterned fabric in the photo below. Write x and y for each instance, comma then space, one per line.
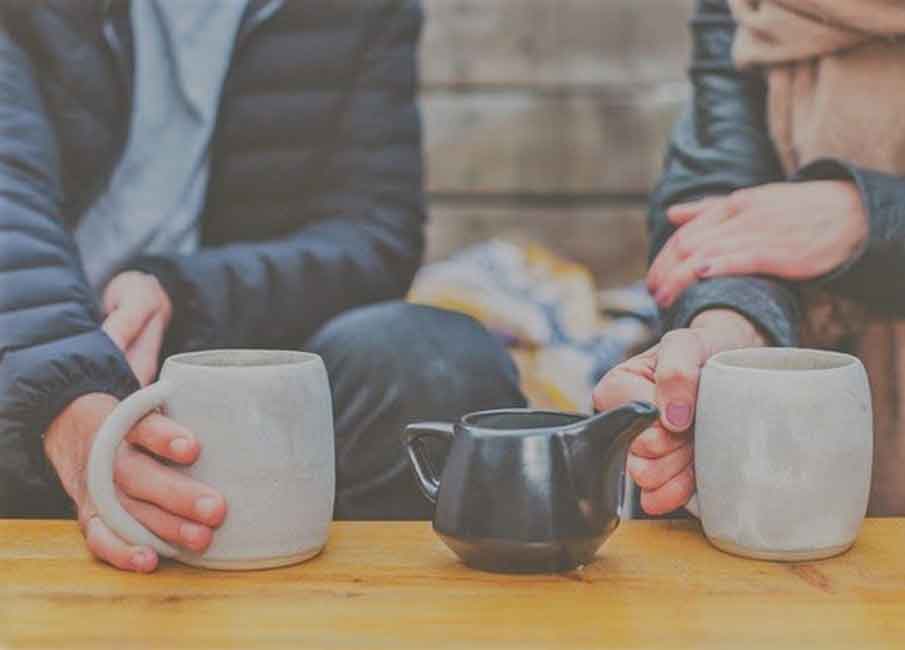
563, 333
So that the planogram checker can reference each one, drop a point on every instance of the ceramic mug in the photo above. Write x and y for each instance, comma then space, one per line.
265, 423
783, 452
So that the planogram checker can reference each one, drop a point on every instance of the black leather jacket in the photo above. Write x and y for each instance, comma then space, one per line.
720, 144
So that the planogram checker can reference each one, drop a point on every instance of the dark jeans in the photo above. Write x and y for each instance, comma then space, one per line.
389, 365
392, 364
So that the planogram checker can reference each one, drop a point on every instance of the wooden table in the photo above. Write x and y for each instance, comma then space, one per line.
394, 585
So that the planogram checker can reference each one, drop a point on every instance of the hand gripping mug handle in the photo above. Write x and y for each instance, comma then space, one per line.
101, 487
413, 439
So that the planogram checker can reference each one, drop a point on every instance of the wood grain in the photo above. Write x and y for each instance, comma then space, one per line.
543, 43
531, 142
568, 99
394, 585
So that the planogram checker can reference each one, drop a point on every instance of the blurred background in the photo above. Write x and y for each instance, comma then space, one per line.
548, 119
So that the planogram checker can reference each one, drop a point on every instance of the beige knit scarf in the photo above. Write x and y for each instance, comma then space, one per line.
835, 73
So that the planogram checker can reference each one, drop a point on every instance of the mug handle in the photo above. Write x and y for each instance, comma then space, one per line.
693, 507
100, 466
413, 439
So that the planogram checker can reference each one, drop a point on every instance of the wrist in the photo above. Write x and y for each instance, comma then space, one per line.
729, 329
857, 228
68, 439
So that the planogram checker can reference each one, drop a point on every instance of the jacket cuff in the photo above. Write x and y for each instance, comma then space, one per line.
190, 328
883, 197
770, 306
39, 391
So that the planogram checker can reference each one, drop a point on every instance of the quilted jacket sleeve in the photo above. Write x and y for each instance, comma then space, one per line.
51, 347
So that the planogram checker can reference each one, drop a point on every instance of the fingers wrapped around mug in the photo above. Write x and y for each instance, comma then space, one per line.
661, 463
165, 438
672, 495
143, 477
172, 528
106, 546
653, 473
660, 460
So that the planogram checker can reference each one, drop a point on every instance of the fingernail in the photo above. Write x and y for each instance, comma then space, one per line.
191, 533
206, 506
679, 415
660, 296
703, 269
180, 446
140, 559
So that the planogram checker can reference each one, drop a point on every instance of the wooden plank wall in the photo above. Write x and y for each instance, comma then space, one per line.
549, 118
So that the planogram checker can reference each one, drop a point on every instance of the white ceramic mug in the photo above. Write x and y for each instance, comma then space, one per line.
783, 452
265, 423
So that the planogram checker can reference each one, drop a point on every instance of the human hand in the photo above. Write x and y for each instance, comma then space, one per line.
170, 504
661, 459
796, 231
138, 312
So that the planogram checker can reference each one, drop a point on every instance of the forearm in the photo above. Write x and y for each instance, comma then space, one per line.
770, 306
719, 145
52, 349
279, 293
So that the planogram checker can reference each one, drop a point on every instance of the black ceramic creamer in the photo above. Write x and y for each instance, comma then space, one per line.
525, 490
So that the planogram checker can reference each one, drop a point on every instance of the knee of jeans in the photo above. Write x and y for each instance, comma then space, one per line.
432, 350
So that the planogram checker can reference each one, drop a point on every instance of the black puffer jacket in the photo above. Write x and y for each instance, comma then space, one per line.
722, 143
314, 204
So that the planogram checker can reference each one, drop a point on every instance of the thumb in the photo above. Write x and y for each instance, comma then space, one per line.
679, 362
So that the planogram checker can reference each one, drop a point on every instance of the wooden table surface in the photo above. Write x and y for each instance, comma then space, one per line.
394, 585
